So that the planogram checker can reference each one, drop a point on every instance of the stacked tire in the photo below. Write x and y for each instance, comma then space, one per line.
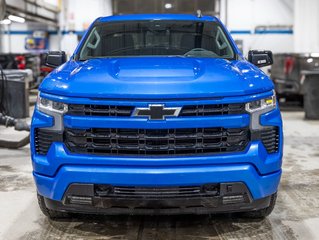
311, 97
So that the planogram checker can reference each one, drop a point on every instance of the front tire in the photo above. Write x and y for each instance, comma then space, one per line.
262, 213
48, 212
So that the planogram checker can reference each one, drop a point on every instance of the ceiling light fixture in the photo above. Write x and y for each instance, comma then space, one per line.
5, 22
168, 5
14, 18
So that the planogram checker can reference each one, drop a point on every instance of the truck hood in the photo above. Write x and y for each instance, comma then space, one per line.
156, 78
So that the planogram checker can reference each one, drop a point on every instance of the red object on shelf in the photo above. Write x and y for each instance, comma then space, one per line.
20, 61
289, 65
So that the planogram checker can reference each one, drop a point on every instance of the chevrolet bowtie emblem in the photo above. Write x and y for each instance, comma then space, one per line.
156, 112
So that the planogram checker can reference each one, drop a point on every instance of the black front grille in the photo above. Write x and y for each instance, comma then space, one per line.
100, 110
192, 141
157, 192
270, 139
213, 109
44, 138
126, 111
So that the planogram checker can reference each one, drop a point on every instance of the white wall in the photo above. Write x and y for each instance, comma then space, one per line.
13, 43
77, 15
306, 37
249, 13
245, 15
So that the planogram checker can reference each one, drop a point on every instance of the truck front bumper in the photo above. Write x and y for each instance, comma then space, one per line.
240, 188
209, 198
259, 186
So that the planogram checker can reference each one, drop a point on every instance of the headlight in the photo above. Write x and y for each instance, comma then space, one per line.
47, 106
265, 105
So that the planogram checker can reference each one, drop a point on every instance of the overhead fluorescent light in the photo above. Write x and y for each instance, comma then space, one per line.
16, 19
5, 21
168, 5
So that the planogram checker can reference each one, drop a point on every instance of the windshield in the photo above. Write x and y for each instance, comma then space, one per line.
157, 38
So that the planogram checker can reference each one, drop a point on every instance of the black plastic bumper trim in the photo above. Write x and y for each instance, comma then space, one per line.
222, 202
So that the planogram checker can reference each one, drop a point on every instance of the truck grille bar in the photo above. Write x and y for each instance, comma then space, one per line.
157, 192
43, 139
126, 111
270, 139
156, 142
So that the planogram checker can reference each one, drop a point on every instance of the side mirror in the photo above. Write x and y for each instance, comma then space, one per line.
55, 59
260, 58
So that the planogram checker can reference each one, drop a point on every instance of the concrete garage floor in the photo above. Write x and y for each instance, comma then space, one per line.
296, 215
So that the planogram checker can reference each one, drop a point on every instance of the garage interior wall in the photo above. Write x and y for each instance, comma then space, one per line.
306, 37
76, 16
245, 17
13, 38
242, 17
13, 35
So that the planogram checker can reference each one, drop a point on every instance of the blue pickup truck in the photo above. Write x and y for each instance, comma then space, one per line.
157, 114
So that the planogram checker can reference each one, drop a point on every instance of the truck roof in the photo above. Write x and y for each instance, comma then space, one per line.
133, 17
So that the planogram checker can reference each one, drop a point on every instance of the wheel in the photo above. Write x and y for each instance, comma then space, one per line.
311, 97
262, 213
48, 212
